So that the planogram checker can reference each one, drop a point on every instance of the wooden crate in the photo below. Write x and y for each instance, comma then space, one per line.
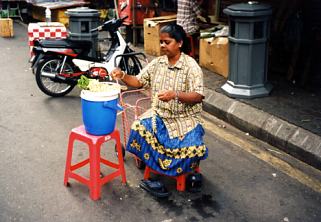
152, 27
6, 27
57, 15
214, 55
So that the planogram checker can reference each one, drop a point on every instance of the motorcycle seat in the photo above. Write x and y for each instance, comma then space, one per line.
65, 43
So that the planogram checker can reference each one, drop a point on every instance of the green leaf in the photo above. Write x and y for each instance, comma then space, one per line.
83, 82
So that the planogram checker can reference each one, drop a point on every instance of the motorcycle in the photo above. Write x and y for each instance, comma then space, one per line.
58, 64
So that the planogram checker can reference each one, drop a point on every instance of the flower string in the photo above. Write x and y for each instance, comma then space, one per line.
154, 101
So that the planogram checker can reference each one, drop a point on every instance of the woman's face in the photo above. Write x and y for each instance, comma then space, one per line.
169, 46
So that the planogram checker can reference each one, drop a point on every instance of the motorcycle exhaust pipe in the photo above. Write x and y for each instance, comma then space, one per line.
47, 74
59, 78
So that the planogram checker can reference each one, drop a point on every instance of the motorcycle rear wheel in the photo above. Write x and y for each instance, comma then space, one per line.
47, 77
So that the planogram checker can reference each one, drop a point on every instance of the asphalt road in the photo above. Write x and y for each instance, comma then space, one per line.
244, 179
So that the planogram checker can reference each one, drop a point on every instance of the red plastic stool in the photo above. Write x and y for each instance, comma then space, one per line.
180, 180
94, 182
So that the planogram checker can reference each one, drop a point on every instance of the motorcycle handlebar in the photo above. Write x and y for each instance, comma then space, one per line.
129, 54
113, 21
97, 29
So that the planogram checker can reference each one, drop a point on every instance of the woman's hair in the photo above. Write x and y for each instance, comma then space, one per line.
177, 32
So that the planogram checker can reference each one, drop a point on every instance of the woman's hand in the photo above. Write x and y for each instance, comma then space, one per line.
117, 73
183, 97
166, 95
129, 80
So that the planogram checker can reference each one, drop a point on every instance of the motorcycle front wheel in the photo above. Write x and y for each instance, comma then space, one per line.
48, 80
133, 65
130, 64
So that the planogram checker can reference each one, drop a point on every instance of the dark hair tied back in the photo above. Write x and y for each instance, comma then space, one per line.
177, 32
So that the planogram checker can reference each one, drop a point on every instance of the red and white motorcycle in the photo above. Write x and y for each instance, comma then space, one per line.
60, 63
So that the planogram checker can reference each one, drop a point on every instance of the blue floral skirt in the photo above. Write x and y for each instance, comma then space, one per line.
167, 156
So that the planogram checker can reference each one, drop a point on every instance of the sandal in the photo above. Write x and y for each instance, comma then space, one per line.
194, 182
155, 188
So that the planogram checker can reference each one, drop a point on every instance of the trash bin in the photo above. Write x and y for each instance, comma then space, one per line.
81, 21
248, 52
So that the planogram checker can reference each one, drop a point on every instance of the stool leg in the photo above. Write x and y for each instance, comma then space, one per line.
120, 157
95, 186
180, 182
69, 157
146, 173
192, 49
191, 41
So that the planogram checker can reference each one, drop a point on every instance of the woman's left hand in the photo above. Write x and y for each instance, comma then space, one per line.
166, 95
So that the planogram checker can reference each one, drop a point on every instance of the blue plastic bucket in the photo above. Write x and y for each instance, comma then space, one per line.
99, 111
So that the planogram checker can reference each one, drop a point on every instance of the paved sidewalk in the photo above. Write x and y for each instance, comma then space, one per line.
273, 125
290, 118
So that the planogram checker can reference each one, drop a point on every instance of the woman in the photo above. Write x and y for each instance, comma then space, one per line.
169, 139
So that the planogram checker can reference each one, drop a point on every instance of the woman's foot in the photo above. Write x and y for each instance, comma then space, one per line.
194, 182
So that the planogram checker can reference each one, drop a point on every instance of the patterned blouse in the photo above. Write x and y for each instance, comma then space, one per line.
185, 76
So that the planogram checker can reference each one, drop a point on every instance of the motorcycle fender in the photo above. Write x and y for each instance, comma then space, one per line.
36, 60
32, 59
85, 65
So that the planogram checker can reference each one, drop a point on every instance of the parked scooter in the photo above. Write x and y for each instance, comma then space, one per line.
58, 64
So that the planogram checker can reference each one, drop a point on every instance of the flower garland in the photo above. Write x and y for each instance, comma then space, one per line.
154, 101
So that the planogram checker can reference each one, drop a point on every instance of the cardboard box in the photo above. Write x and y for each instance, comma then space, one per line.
214, 55
6, 27
152, 27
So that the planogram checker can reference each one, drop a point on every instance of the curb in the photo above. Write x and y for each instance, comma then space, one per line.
292, 139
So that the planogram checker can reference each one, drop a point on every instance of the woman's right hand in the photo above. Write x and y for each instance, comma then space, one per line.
129, 80
117, 73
